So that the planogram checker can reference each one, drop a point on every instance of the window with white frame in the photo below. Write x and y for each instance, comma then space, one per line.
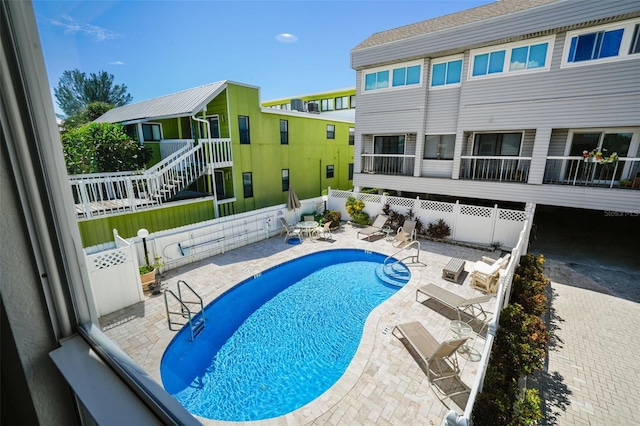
342, 102
393, 76
331, 131
327, 104
439, 147
352, 101
512, 58
151, 132
604, 43
446, 72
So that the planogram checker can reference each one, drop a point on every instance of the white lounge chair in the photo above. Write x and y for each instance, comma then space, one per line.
375, 228
471, 307
290, 232
405, 234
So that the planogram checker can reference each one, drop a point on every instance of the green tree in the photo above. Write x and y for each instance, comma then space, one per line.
89, 113
102, 147
76, 91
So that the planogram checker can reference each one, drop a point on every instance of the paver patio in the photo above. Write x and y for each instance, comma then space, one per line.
382, 385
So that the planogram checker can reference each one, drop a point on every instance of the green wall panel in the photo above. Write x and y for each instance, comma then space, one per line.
98, 231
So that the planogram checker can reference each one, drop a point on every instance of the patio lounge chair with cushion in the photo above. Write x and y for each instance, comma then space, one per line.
471, 307
486, 272
406, 233
290, 232
375, 228
440, 359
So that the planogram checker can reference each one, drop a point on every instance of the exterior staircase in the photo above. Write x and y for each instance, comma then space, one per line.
396, 274
108, 193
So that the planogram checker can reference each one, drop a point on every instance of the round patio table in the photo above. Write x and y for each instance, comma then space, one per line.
306, 227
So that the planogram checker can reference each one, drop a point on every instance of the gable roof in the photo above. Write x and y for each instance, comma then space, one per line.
480, 13
187, 102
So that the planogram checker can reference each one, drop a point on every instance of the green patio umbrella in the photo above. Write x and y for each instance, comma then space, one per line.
292, 200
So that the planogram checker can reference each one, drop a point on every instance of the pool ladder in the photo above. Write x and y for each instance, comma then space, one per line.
195, 325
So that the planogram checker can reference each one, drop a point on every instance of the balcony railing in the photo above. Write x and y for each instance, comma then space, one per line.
577, 171
388, 164
495, 168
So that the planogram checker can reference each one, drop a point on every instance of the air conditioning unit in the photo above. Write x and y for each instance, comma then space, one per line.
297, 105
313, 107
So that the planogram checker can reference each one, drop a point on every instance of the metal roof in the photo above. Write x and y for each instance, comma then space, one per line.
187, 102
492, 10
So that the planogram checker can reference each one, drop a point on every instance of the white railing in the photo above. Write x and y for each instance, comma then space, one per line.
495, 168
169, 156
108, 193
388, 164
587, 172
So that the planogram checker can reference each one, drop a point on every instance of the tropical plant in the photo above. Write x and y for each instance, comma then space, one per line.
334, 216
438, 230
76, 91
157, 263
355, 208
102, 147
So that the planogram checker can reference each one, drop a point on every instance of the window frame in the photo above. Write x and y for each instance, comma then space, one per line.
285, 179
350, 172
329, 171
344, 102
284, 134
151, 124
475, 134
352, 101
331, 134
389, 69
247, 190
508, 48
326, 104
623, 52
246, 140
445, 60
352, 135
424, 157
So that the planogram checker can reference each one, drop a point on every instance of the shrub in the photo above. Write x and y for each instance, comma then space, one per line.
439, 230
354, 206
361, 218
333, 216
530, 284
527, 409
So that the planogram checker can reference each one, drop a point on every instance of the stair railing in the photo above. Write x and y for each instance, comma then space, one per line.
185, 312
415, 257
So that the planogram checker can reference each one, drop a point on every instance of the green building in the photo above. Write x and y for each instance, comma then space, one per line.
217, 152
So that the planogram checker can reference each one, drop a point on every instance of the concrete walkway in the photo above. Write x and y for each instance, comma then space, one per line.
593, 369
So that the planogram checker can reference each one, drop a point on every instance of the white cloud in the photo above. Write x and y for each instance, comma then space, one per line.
116, 63
71, 26
286, 38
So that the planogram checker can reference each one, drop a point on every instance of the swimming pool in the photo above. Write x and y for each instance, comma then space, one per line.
277, 341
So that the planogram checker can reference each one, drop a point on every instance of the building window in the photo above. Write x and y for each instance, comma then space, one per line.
388, 144
376, 80
342, 102
601, 44
635, 41
329, 171
151, 132
352, 101
284, 132
528, 57
214, 126
331, 131
445, 73
439, 147
352, 136
497, 144
285, 180
327, 104
488, 63
312, 106
406, 76
243, 124
247, 184
350, 171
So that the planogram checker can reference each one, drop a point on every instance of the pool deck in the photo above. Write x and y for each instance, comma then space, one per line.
383, 384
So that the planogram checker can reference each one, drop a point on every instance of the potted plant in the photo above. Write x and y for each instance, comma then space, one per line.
148, 272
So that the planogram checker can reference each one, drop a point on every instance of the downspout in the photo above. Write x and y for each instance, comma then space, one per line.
213, 175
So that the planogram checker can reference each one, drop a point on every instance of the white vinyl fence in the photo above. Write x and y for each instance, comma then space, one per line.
469, 224
114, 277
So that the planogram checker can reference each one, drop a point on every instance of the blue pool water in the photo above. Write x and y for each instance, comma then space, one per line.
275, 342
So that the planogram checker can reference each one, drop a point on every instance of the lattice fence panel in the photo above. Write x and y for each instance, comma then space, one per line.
401, 202
475, 211
514, 215
437, 206
110, 259
370, 198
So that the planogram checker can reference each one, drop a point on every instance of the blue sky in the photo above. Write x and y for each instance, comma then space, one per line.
160, 47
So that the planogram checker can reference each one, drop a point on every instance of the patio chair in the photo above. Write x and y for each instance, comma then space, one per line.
309, 219
440, 358
324, 231
405, 234
289, 231
471, 307
486, 272
375, 228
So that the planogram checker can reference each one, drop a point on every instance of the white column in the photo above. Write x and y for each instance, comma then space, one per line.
539, 155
